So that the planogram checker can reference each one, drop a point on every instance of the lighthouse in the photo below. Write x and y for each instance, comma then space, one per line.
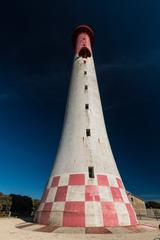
85, 188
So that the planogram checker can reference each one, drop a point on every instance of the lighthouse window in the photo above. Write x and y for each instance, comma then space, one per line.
86, 106
84, 61
86, 87
91, 172
88, 132
85, 72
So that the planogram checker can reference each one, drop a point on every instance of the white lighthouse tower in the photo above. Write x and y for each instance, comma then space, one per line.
85, 188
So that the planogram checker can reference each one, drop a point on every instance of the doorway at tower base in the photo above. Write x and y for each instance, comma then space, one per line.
74, 200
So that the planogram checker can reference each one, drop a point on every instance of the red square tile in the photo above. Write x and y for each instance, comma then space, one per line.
44, 218
132, 216
74, 214
92, 193
109, 214
45, 194
55, 181
61, 194
76, 179
116, 194
47, 206
102, 180
120, 184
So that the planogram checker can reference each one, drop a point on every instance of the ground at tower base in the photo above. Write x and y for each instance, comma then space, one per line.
13, 229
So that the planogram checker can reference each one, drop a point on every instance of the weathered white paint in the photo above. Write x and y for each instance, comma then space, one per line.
75, 193
76, 151
94, 216
105, 194
64, 179
124, 196
122, 214
51, 194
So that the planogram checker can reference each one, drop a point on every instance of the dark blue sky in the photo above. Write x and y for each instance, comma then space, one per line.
35, 64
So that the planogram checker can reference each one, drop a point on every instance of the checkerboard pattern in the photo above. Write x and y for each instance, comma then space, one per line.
74, 200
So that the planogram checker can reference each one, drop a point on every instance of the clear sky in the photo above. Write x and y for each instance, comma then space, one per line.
35, 64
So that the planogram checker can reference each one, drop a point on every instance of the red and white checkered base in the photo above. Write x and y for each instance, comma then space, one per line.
73, 200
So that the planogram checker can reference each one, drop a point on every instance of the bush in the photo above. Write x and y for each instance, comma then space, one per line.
21, 206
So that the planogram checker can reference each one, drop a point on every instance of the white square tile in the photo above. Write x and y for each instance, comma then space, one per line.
58, 206
39, 217
64, 179
124, 195
112, 181
91, 181
51, 194
122, 213
56, 218
105, 194
75, 193
93, 214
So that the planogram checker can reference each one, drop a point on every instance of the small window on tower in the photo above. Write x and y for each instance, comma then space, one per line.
84, 61
86, 106
91, 172
85, 72
88, 132
86, 87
